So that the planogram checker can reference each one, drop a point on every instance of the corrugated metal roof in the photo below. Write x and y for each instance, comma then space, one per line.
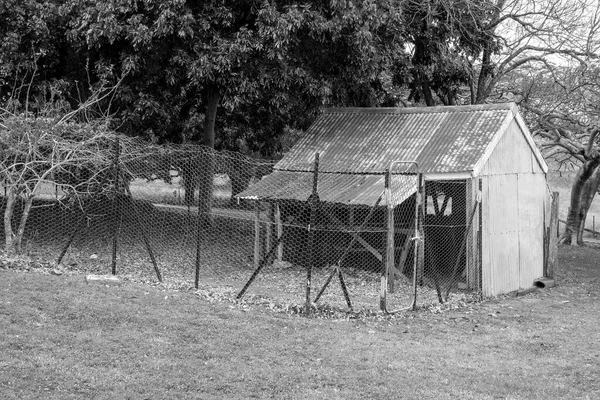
365, 141
332, 188
357, 145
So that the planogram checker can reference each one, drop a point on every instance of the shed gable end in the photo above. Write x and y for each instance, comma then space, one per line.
512, 155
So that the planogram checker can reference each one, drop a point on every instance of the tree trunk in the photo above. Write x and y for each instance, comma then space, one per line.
190, 180
486, 72
576, 201
213, 97
11, 197
427, 92
587, 196
18, 240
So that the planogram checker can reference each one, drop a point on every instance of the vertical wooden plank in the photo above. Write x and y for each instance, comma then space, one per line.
314, 203
384, 259
422, 209
269, 226
486, 262
279, 228
471, 249
256, 234
553, 240
404, 253
474, 273
390, 266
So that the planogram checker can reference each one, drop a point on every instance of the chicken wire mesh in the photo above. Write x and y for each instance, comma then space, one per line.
451, 261
403, 238
180, 214
326, 252
141, 214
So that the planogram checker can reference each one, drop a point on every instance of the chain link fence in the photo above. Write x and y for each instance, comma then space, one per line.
185, 214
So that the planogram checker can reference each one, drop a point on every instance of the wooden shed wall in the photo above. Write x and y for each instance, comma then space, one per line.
513, 197
512, 155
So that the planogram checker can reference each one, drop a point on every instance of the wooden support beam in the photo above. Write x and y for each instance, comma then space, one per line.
472, 254
383, 290
403, 255
359, 239
269, 226
553, 239
314, 204
256, 234
390, 247
419, 254
279, 228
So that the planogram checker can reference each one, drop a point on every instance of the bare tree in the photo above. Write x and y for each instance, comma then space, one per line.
545, 33
480, 43
37, 151
585, 184
563, 111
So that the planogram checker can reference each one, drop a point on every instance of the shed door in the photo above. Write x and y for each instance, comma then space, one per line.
532, 193
512, 231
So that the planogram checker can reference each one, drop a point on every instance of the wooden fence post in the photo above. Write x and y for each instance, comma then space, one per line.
553, 239
256, 234
269, 226
314, 203
279, 228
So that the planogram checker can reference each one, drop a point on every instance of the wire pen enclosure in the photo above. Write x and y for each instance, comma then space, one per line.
429, 201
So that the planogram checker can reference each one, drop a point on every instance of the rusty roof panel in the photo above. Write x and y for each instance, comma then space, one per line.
357, 145
332, 188
366, 141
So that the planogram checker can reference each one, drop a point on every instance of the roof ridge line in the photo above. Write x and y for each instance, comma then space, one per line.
329, 172
420, 110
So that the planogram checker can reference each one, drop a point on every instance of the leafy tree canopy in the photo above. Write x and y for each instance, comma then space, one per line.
247, 74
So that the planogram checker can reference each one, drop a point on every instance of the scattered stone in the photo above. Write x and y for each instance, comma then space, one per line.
56, 272
103, 279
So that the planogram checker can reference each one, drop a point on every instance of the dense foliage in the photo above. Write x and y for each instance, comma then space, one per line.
247, 75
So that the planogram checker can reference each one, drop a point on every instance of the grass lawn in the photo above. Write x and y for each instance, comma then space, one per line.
65, 339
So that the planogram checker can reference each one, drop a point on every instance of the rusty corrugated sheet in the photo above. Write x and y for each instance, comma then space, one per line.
365, 141
357, 145
332, 188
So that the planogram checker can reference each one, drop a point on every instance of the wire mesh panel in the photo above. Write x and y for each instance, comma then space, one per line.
346, 241
202, 233
323, 239
403, 205
353, 239
148, 212
450, 263
195, 216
